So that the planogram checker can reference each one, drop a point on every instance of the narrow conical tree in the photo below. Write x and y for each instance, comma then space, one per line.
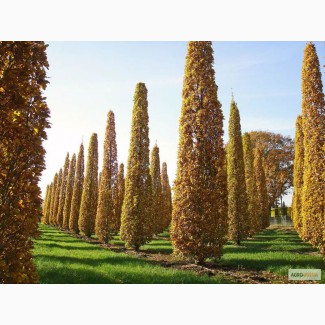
263, 211
166, 194
237, 194
253, 221
136, 210
119, 198
105, 218
298, 174
157, 216
69, 190
55, 185
77, 192
199, 220
48, 206
57, 198
313, 124
45, 203
63, 189
88, 207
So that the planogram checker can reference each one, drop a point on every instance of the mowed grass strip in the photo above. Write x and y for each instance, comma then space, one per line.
61, 258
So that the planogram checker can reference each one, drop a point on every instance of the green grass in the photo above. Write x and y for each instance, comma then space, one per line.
61, 258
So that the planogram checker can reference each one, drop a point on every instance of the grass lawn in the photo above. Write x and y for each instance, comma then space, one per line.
61, 258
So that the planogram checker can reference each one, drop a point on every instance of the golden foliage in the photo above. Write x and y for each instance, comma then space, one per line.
238, 222
119, 197
199, 217
23, 122
298, 177
253, 220
136, 210
313, 124
166, 194
89, 198
69, 190
62, 195
77, 192
105, 218
263, 210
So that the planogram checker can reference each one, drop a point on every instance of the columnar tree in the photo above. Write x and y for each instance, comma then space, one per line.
53, 199
47, 215
24, 117
263, 210
252, 196
298, 177
45, 203
119, 197
105, 218
166, 194
237, 195
59, 217
77, 192
69, 190
199, 219
136, 210
313, 124
88, 207
157, 216
57, 198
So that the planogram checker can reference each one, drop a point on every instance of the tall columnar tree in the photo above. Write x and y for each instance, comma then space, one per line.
298, 177
88, 207
24, 118
253, 221
136, 210
47, 215
69, 190
45, 203
263, 210
237, 194
313, 124
157, 216
59, 216
57, 198
105, 218
55, 185
199, 220
166, 194
77, 192
119, 197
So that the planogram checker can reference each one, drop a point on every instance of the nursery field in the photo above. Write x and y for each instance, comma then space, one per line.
61, 257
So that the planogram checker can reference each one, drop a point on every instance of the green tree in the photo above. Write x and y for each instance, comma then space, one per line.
53, 199
199, 219
157, 216
119, 197
166, 194
89, 198
77, 192
57, 198
263, 210
237, 194
24, 118
105, 218
253, 220
136, 210
63, 188
313, 125
69, 190
298, 176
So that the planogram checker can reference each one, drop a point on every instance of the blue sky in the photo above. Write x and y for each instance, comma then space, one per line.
89, 78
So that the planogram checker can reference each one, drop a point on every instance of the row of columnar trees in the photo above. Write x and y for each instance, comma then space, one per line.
309, 162
88, 205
